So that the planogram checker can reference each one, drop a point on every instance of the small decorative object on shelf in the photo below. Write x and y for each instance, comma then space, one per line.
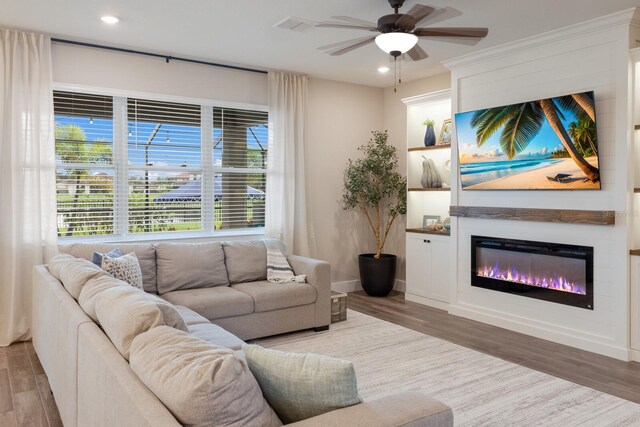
429, 134
430, 176
428, 221
445, 133
447, 223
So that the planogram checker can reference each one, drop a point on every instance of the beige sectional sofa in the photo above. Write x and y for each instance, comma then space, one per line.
91, 380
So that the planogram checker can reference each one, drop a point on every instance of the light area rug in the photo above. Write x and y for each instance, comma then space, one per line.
482, 390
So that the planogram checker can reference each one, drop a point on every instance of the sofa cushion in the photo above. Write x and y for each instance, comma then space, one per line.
189, 316
125, 268
300, 386
57, 262
214, 334
145, 253
245, 261
124, 312
213, 303
269, 296
201, 384
190, 266
92, 289
75, 274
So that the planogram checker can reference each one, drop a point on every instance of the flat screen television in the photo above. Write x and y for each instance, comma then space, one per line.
548, 144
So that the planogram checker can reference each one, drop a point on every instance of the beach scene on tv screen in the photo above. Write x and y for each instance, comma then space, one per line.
548, 144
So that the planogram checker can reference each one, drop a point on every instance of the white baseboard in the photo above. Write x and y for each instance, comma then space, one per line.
354, 285
427, 301
635, 355
561, 337
346, 286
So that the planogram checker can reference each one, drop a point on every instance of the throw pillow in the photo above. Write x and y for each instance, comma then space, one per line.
125, 268
96, 258
300, 386
200, 383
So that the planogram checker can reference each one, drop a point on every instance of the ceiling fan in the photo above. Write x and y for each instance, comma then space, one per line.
398, 32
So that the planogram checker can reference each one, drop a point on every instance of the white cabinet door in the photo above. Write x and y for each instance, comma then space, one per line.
428, 266
418, 261
439, 278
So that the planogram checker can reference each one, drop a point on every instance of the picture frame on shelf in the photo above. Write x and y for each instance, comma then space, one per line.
430, 220
445, 133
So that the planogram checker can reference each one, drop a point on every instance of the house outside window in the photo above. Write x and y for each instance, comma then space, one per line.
133, 166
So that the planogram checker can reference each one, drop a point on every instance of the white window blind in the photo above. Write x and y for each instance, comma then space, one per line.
165, 166
84, 166
240, 154
172, 167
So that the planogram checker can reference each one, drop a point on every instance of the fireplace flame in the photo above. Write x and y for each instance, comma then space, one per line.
509, 274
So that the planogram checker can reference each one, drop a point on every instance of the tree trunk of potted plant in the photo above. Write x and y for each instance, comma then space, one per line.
373, 186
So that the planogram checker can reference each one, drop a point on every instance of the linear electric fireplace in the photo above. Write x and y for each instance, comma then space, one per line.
548, 271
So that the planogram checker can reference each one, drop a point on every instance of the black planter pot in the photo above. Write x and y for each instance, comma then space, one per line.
377, 275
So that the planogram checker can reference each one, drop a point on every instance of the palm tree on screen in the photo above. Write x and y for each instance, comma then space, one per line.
583, 132
520, 123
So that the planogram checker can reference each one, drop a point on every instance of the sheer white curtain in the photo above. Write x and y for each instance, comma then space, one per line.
288, 216
27, 174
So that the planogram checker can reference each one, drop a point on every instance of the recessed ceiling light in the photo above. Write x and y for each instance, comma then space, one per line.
383, 69
110, 19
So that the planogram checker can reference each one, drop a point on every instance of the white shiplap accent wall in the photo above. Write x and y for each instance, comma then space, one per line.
590, 56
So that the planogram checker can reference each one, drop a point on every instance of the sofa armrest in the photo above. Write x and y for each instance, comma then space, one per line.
403, 409
319, 276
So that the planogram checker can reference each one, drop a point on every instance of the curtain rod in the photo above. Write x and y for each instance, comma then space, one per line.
167, 58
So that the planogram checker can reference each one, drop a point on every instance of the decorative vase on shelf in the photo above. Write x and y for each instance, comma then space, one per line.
429, 136
430, 176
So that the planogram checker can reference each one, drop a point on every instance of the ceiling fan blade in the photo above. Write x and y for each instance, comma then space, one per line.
355, 21
451, 32
352, 47
439, 15
345, 26
416, 14
417, 54
343, 43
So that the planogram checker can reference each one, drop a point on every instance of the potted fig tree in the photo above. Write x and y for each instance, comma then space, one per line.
374, 187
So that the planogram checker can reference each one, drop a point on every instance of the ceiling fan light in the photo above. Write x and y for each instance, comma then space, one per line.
400, 42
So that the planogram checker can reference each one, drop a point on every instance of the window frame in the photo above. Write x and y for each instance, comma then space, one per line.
121, 168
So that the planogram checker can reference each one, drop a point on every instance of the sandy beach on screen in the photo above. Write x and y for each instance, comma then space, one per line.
537, 179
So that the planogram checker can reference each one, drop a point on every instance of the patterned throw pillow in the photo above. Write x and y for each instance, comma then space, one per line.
125, 268
97, 256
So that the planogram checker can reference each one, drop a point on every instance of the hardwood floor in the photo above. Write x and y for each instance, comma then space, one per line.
602, 373
25, 396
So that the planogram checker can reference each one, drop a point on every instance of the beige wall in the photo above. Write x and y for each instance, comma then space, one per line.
78, 66
395, 121
341, 118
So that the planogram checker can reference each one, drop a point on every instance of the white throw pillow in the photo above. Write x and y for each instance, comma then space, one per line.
125, 268
203, 385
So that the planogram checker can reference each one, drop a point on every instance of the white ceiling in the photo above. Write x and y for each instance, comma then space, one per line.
242, 32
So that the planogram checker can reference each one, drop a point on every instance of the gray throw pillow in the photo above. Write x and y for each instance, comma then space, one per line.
300, 386
96, 258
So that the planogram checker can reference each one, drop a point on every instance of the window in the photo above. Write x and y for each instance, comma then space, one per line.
127, 166
84, 172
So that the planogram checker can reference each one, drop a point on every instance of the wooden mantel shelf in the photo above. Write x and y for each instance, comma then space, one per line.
568, 216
